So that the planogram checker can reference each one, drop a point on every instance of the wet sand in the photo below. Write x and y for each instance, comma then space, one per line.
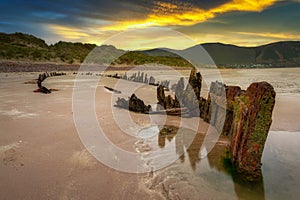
41, 154
42, 157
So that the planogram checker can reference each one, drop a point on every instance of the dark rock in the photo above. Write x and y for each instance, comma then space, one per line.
44, 90
151, 80
165, 102
195, 81
160, 93
112, 90
138, 105
169, 102
133, 104
116, 76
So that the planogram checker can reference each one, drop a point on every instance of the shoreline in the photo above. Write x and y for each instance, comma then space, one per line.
26, 66
7, 66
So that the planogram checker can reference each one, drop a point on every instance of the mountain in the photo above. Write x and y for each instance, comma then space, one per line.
279, 54
159, 52
229, 54
24, 47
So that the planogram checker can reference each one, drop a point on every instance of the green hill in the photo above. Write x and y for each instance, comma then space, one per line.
229, 54
140, 58
19, 46
24, 47
279, 54
71, 52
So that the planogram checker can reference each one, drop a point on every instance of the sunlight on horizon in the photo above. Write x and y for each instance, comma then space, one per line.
174, 15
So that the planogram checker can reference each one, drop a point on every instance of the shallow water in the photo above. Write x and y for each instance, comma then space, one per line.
191, 177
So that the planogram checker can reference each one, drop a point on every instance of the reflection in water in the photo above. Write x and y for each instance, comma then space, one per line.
248, 190
182, 142
182, 137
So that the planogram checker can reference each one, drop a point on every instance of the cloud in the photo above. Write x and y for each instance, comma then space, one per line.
68, 32
244, 38
270, 35
232, 21
277, 23
186, 14
148, 38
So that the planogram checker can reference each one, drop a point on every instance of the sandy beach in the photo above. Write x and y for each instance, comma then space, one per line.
42, 156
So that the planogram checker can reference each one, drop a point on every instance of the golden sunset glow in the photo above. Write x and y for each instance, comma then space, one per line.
202, 23
166, 14
281, 36
244, 5
247, 39
68, 32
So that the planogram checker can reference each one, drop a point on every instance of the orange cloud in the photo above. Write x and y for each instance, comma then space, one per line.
68, 32
281, 36
166, 14
244, 5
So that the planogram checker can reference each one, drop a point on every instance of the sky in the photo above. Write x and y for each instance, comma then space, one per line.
148, 24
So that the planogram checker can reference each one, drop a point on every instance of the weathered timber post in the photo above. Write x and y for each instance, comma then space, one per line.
252, 118
231, 93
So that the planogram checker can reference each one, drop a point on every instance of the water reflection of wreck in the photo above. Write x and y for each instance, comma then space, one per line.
188, 143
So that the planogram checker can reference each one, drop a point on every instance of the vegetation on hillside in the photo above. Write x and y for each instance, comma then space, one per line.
279, 54
24, 47
138, 58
